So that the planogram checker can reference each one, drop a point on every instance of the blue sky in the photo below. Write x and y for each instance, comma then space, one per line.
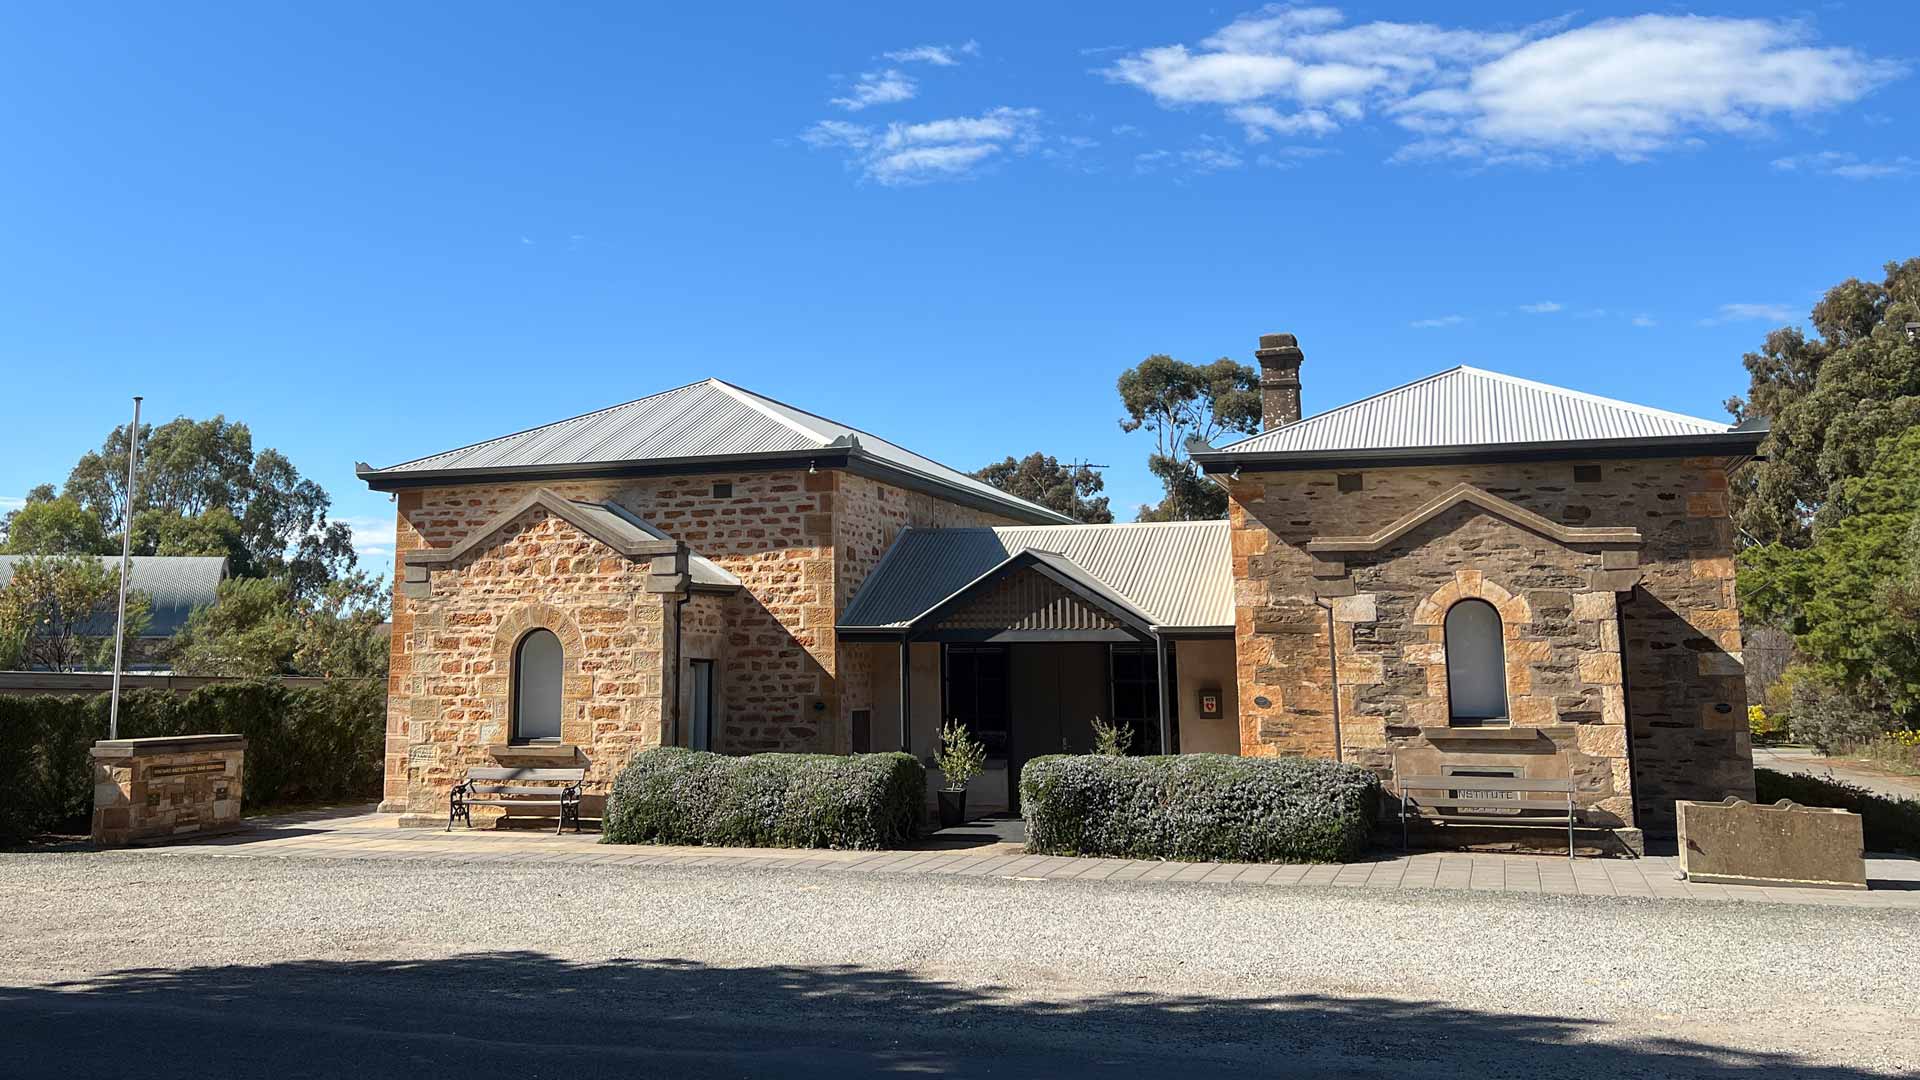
378, 231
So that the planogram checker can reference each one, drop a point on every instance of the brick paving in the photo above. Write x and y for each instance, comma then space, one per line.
1895, 881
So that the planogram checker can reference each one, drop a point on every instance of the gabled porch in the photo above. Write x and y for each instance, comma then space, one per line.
1031, 649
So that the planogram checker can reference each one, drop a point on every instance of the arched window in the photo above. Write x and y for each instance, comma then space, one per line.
1476, 663
536, 687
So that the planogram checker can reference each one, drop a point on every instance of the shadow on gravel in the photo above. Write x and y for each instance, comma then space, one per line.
524, 1014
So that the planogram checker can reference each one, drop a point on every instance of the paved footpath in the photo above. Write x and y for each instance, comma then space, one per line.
1894, 882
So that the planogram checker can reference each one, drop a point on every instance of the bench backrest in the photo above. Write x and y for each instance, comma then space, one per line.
1480, 783
566, 776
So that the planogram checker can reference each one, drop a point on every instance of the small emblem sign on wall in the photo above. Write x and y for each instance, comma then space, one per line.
1209, 703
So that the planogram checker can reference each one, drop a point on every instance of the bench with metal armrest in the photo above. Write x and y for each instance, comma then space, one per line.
509, 788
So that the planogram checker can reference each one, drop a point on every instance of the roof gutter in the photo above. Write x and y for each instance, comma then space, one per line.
1730, 443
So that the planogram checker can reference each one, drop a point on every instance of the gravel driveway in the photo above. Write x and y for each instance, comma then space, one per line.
130, 964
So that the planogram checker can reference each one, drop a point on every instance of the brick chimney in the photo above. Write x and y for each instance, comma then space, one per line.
1279, 356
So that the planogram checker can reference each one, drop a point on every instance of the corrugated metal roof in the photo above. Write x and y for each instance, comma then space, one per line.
704, 419
178, 584
1467, 406
1175, 573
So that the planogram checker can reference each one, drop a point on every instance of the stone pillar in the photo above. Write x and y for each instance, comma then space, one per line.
1280, 358
150, 791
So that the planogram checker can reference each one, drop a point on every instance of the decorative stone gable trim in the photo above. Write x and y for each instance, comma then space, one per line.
1571, 535
669, 557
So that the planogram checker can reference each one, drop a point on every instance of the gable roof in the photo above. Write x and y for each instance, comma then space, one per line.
1171, 575
177, 584
1466, 408
709, 422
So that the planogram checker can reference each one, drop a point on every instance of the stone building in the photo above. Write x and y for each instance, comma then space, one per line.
1475, 574
1470, 574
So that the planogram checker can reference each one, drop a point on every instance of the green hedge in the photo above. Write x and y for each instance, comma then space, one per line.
1890, 824
676, 796
1198, 807
304, 744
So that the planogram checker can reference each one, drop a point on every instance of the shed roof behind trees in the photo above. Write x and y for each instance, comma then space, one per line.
177, 584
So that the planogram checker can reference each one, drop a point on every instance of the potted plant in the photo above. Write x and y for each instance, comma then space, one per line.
960, 759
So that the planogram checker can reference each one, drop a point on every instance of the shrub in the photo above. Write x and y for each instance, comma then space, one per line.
1198, 807
1827, 717
671, 795
1113, 740
960, 758
304, 744
1889, 824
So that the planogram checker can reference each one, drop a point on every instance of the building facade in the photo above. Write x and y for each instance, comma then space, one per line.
1469, 575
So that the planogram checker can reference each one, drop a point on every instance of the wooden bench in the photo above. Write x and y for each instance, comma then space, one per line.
509, 788
1485, 800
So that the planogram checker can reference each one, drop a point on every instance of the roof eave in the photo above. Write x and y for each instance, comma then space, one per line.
1729, 443
402, 479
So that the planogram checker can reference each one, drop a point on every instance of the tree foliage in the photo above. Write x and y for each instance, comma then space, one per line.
1830, 400
1180, 403
49, 526
58, 614
259, 627
203, 490
1851, 597
1069, 489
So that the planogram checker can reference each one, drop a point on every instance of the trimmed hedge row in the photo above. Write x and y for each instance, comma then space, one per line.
1889, 824
304, 744
672, 795
1198, 807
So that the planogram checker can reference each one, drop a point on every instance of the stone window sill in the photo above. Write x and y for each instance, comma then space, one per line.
1480, 734
554, 751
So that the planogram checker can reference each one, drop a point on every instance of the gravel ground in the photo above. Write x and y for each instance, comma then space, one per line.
737, 971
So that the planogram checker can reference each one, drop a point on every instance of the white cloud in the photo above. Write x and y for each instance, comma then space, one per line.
887, 87
12, 502
937, 55
931, 150
1544, 307
372, 539
1210, 154
1644, 321
1435, 323
1621, 87
1773, 313
1848, 166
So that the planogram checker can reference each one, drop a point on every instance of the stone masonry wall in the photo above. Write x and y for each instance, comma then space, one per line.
799, 544
538, 572
1565, 649
867, 518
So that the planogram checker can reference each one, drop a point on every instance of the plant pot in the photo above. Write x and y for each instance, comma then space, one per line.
953, 808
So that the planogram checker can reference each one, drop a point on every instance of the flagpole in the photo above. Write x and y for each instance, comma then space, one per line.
126, 558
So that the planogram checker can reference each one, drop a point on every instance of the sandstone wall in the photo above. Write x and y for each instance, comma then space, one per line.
802, 543
1671, 681
538, 572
